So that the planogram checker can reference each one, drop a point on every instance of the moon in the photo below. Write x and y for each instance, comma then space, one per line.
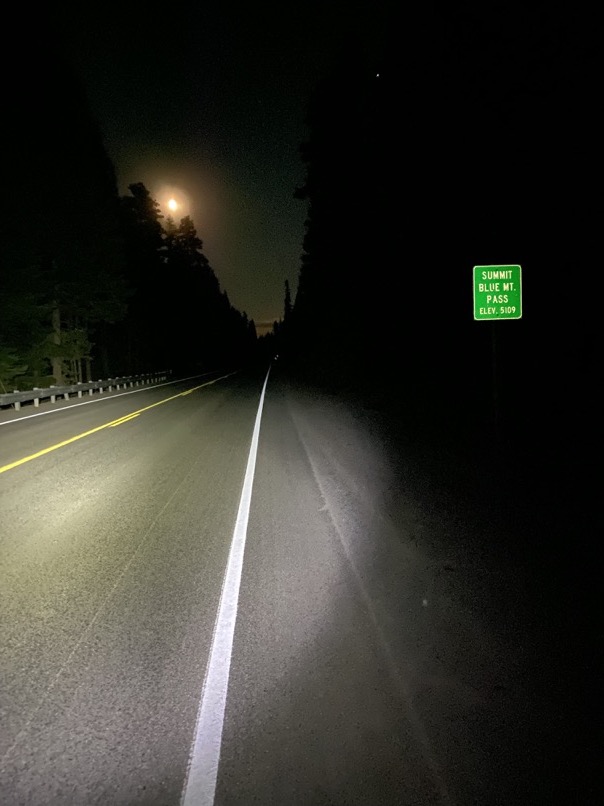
173, 199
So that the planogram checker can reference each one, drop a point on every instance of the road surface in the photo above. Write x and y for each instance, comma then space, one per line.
375, 639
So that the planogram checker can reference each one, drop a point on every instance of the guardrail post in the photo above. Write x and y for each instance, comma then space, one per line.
38, 394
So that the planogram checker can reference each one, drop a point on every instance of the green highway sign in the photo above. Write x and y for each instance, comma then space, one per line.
497, 292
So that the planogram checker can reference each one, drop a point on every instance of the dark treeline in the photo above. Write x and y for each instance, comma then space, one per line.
178, 317
91, 284
467, 137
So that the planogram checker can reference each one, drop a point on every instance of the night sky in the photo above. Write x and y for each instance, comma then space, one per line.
207, 102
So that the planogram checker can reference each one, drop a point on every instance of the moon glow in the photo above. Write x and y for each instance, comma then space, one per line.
173, 200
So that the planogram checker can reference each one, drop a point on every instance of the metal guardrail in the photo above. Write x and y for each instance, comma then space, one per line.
53, 392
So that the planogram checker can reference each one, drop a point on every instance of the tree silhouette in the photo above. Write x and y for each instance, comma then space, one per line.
60, 248
466, 138
142, 234
287, 304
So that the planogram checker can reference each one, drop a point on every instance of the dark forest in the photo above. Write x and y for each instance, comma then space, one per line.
473, 141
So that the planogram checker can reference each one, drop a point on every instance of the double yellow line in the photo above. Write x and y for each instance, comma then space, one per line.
111, 424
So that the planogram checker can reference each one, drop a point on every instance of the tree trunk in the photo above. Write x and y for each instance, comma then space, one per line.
105, 368
57, 360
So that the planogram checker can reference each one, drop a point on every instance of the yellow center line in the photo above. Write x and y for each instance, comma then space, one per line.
124, 419
110, 424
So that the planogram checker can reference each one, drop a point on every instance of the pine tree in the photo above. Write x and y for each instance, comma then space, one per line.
60, 235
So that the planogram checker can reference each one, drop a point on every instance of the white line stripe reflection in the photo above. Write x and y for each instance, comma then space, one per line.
200, 784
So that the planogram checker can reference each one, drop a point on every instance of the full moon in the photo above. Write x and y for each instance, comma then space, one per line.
174, 201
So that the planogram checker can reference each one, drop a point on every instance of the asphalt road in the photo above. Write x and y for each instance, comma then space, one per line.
389, 644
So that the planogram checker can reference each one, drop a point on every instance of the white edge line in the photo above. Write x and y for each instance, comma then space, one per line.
202, 773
